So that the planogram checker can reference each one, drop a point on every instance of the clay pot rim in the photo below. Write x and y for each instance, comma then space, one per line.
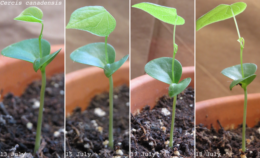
225, 100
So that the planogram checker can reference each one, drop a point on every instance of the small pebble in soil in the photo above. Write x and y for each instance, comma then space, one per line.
165, 112
29, 125
56, 134
119, 152
176, 152
105, 143
99, 112
100, 129
86, 145
243, 156
36, 104
163, 129
258, 130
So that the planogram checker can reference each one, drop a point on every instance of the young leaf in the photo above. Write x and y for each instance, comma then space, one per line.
235, 74
31, 14
109, 69
27, 50
94, 19
94, 54
44, 61
221, 12
177, 88
161, 69
165, 14
243, 81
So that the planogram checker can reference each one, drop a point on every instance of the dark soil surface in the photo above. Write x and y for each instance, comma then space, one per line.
227, 143
148, 138
17, 114
87, 131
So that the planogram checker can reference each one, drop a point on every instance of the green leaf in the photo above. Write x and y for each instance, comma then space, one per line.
177, 88
27, 50
243, 81
221, 12
235, 74
43, 62
165, 14
31, 14
109, 69
161, 69
94, 19
94, 54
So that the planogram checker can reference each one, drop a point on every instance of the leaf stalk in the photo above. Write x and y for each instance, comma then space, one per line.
40, 41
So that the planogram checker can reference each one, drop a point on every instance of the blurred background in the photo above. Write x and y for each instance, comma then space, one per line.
217, 48
151, 38
12, 31
119, 38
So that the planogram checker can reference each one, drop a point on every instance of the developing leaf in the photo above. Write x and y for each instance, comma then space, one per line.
109, 69
165, 14
161, 69
44, 61
94, 54
27, 50
31, 14
221, 12
94, 19
235, 74
177, 88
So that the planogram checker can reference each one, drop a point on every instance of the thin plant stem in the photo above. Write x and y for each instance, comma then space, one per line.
241, 41
173, 120
110, 133
106, 48
40, 39
39, 123
244, 122
173, 57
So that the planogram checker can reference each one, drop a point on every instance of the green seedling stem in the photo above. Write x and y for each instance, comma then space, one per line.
242, 43
39, 122
110, 132
175, 97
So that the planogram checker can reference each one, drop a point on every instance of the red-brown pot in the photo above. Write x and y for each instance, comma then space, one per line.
229, 111
15, 75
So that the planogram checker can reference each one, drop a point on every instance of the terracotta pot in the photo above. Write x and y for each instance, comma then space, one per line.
146, 90
229, 111
83, 85
17, 74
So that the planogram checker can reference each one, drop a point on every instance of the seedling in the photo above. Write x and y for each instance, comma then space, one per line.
242, 74
166, 69
36, 51
98, 21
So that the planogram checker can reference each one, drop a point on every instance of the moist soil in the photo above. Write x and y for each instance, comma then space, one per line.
87, 131
18, 121
149, 139
227, 143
